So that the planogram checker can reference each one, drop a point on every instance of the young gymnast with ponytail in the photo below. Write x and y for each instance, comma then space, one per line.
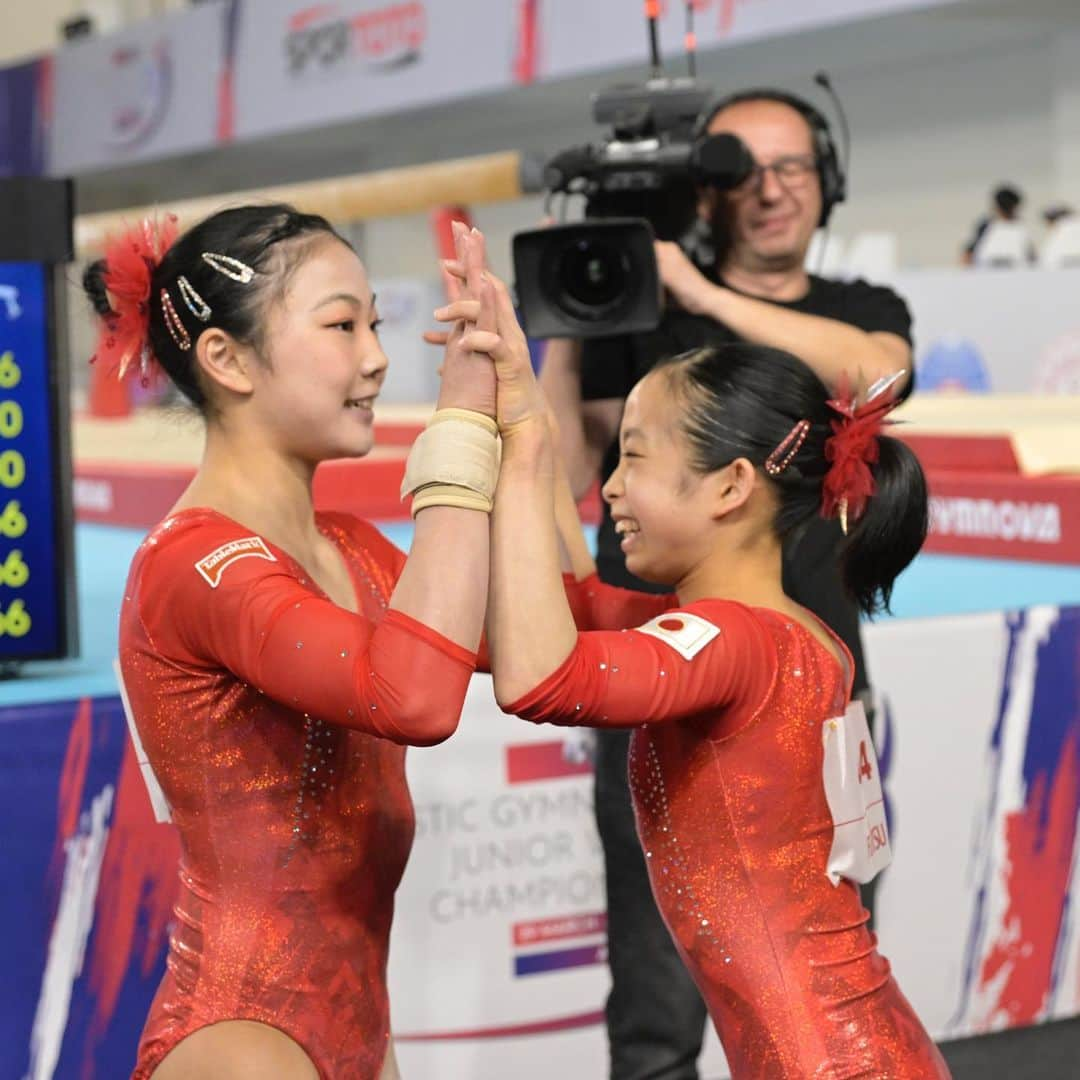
740, 700
278, 660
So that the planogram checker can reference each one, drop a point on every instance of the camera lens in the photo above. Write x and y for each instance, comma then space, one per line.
592, 277
593, 274
588, 278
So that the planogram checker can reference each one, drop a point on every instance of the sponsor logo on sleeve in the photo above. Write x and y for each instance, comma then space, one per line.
214, 565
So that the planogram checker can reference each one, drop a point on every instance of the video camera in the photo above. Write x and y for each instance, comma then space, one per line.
599, 277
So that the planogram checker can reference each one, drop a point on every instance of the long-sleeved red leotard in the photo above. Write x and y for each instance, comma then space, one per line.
275, 722
726, 776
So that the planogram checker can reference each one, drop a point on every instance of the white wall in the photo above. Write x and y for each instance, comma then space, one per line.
31, 27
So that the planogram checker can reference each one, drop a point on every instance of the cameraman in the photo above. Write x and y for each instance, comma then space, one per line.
749, 284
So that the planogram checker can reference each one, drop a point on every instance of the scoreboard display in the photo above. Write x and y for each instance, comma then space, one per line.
37, 605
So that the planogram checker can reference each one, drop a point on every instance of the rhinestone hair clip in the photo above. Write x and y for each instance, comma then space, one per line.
195, 303
177, 330
230, 267
791, 444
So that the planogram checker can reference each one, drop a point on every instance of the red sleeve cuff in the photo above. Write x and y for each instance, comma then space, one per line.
571, 582
443, 644
542, 701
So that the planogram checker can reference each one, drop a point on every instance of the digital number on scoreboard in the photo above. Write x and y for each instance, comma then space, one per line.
32, 562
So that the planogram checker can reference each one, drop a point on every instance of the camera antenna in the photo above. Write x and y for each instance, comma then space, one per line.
652, 18
690, 41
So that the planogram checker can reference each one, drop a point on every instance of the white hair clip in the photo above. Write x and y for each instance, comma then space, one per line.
195, 303
230, 267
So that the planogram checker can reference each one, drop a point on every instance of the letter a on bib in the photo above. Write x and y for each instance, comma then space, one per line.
860, 847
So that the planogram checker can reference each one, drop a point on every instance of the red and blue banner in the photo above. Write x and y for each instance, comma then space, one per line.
1022, 954
90, 880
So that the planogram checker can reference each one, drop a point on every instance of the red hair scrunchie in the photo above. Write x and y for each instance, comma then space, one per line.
853, 448
130, 261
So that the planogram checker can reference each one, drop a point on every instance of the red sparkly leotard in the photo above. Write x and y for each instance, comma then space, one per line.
274, 722
726, 775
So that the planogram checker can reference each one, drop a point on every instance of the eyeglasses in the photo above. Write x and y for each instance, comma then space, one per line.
792, 171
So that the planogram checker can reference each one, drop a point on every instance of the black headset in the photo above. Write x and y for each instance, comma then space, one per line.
831, 172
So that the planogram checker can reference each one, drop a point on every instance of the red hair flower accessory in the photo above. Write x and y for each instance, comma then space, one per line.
130, 261
853, 448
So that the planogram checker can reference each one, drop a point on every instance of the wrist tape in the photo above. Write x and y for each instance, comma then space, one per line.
454, 462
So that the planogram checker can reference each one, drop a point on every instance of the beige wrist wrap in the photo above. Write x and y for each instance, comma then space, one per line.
454, 462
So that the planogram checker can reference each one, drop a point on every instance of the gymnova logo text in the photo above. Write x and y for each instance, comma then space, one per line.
996, 519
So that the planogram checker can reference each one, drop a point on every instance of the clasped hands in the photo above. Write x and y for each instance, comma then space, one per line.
484, 330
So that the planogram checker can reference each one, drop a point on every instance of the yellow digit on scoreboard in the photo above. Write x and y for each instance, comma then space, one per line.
10, 372
14, 573
13, 521
12, 469
11, 419
16, 621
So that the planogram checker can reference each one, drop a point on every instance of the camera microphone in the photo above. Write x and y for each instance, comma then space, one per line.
723, 161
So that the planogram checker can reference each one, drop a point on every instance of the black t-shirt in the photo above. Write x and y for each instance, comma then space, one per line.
611, 366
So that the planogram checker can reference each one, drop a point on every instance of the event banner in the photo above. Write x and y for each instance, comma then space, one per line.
305, 65
1031, 519
979, 739
497, 954
238, 69
91, 882
146, 92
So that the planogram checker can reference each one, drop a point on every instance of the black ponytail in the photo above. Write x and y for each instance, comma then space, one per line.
890, 531
93, 282
743, 400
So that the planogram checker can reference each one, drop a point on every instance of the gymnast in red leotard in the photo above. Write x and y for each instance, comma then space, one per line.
739, 698
277, 660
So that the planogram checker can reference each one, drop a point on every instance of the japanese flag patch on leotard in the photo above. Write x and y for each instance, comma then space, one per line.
686, 634
212, 566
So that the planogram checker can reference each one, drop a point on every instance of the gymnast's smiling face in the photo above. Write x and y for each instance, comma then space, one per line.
307, 388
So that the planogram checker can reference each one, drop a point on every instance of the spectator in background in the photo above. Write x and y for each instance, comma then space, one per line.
1057, 212
1006, 201
1060, 248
